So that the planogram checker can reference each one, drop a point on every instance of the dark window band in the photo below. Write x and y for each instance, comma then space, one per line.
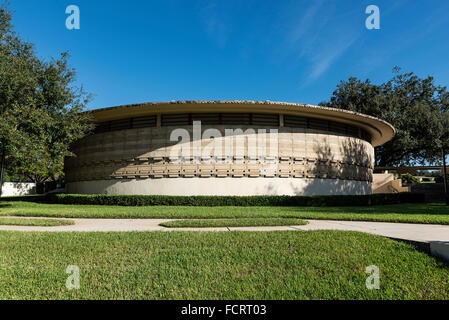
255, 119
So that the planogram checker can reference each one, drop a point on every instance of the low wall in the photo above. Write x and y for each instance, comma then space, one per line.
222, 186
434, 191
18, 189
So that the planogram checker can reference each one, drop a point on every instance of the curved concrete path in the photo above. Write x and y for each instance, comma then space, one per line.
406, 231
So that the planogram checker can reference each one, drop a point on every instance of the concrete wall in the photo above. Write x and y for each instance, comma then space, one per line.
385, 183
303, 161
18, 189
434, 192
222, 186
144, 152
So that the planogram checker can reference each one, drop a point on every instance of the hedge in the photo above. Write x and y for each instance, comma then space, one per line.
210, 201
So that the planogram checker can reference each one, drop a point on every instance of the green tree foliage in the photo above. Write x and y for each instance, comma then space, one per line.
408, 179
40, 108
416, 107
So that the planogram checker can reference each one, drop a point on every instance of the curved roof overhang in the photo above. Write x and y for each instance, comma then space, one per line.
380, 130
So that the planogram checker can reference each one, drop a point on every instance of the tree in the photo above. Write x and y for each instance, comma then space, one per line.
40, 108
416, 107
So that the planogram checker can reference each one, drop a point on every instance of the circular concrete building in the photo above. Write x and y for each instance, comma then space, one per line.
226, 148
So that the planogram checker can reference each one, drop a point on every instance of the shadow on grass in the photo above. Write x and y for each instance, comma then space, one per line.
423, 247
424, 208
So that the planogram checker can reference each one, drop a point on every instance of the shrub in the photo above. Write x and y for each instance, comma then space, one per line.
211, 201
408, 179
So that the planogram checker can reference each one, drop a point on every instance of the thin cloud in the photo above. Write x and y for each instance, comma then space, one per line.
325, 61
319, 36
307, 22
396, 44
215, 25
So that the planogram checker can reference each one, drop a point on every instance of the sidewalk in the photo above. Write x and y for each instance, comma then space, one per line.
405, 231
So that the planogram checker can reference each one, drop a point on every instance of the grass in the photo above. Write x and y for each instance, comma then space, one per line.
406, 213
242, 222
34, 222
216, 265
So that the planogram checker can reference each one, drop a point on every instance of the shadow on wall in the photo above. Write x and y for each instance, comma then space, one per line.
345, 168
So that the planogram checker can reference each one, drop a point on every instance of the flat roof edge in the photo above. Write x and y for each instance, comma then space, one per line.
384, 130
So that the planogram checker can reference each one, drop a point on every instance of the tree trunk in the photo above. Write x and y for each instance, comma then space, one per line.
2, 168
445, 178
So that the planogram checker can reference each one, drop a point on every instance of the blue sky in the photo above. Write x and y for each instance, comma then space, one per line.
296, 51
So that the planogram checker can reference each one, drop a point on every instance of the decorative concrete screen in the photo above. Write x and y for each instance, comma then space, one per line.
226, 148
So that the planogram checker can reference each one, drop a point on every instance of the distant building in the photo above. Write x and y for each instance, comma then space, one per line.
241, 148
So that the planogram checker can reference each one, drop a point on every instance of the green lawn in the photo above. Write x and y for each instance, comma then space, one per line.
34, 222
411, 213
216, 265
241, 222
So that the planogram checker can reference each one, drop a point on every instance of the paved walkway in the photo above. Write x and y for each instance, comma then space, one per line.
406, 231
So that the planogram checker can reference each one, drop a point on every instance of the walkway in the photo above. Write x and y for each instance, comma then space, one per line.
405, 231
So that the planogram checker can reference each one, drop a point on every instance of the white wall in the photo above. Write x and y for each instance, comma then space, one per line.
18, 189
222, 186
